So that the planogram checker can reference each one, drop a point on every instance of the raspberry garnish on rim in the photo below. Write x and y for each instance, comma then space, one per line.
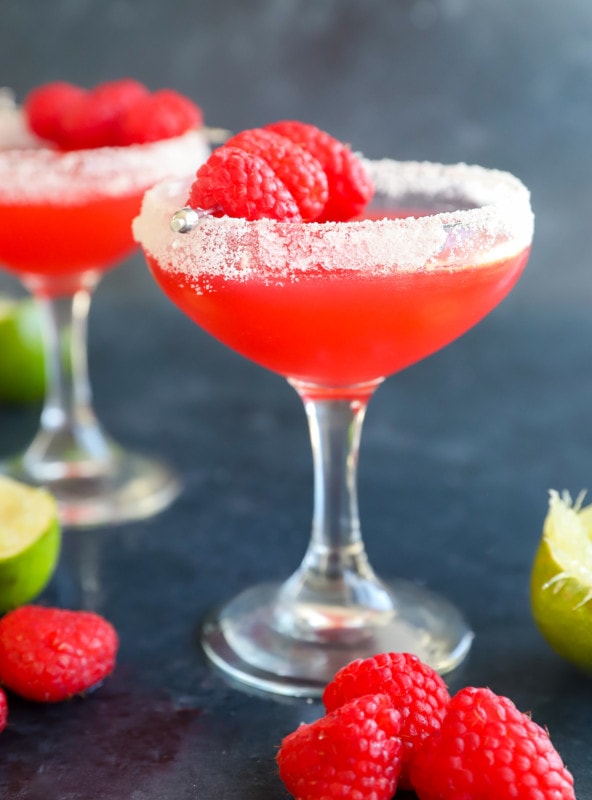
263, 174
350, 187
116, 113
68, 162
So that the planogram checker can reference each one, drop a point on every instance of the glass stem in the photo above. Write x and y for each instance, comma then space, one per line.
335, 591
69, 443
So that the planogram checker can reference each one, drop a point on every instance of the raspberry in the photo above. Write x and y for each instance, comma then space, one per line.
352, 753
415, 689
120, 94
93, 120
48, 654
45, 105
487, 749
241, 184
301, 173
350, 188
114, 113
161, 115
3, 710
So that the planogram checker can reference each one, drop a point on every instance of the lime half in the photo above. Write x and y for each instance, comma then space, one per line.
561, 580
22, 363
30, 538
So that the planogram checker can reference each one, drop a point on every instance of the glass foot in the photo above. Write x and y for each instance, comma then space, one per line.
241, 639
127, 487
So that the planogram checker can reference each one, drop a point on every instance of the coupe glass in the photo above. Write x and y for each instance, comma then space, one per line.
65, 217
336, 307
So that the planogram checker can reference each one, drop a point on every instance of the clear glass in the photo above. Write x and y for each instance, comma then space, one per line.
65, 218
384, 293
291, 638
94, 480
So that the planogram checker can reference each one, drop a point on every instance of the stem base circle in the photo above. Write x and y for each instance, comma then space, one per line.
121, 488
242, 640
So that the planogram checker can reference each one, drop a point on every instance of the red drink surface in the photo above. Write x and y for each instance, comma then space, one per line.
50, 239
338, 328
339, 304
64, 213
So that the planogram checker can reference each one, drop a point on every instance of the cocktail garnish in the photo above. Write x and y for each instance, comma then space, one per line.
350, 186
302, 175
187, 218
113, 114
160, 115
299, 171
44, 108
93, 119
242, 185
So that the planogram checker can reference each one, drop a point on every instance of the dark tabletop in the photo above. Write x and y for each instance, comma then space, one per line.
458, 452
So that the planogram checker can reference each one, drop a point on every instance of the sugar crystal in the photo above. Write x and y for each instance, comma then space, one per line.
466, 216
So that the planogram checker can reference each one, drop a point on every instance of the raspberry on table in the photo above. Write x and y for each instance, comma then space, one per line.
350, 187
353, 752
161, 115
3, 710
415, 689
50, 654
299, 171
241, 184
45, 105
487, 749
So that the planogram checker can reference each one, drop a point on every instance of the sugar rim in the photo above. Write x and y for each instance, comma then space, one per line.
499, 224
32, 172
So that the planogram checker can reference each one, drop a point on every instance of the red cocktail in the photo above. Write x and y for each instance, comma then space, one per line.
334, 328
65, 218
336, 307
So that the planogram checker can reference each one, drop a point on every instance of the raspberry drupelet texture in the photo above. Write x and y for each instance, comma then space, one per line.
50, 654
487, 749
352, 753
310, 176
350, 187
298, 170
415, 689
241, 184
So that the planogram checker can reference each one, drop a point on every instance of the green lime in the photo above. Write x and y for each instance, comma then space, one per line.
561, 580
22, 364
30, 538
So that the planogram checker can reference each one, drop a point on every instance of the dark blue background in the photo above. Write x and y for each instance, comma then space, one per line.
458, 453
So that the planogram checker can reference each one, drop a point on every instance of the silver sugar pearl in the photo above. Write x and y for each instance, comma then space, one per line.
185, 220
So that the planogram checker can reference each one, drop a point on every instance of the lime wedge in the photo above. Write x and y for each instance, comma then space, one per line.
30, 538
22, 364
561, 580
